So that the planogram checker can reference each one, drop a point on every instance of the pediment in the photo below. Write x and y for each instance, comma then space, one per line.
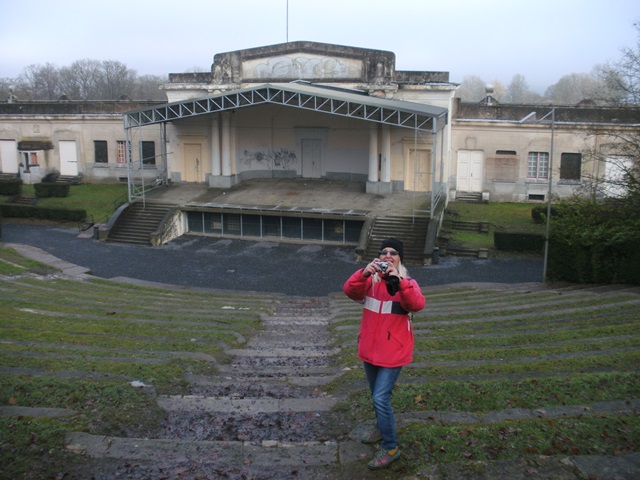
311, 61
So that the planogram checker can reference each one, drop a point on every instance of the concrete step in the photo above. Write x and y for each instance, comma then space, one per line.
411, 230
244, 406
238, 453
138, 222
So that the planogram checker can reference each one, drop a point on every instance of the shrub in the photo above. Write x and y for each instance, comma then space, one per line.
43, 189
11, 187
593, 242
539, 213
29, 211
518, 242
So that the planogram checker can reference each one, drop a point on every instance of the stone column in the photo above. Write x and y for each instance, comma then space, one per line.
373, 153
216, 168
226, 144
385, 164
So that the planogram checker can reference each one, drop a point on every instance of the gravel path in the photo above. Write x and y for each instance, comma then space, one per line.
286, 268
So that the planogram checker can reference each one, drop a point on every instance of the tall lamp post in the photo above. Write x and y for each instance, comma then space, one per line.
550, 190
546, 237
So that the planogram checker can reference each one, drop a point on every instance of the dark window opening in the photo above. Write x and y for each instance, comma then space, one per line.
148, 153
100, 151
261, 226
506, 152
570, 166
536, 196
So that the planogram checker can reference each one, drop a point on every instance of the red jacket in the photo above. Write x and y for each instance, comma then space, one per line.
386, 336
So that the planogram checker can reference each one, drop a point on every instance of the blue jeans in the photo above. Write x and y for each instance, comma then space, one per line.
381, 382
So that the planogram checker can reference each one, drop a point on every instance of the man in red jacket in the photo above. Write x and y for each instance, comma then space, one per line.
385, 343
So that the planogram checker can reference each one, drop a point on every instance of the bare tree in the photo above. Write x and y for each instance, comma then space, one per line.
43, 81
623, 77
80, 80
147, 87
619, 148
518, 90
472, 89
574, 88
499, 90
115, 81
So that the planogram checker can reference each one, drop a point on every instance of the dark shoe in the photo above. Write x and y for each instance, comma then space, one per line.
383, 459
374, 436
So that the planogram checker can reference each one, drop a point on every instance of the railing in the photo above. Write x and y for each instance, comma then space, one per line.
86, 223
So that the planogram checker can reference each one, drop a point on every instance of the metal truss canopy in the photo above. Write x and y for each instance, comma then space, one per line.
396, 113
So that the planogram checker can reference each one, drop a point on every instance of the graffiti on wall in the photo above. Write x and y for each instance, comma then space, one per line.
282, 158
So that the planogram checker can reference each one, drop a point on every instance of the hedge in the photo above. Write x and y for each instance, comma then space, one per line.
45, 213
599, 263
518, 242
44, 189
11, 187
539, 213
596, 241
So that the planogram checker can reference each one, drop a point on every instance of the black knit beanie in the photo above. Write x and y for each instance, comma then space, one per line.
395, 244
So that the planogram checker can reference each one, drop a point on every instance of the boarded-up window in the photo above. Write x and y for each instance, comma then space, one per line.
570, 166
100, 151
148, 153
503, 167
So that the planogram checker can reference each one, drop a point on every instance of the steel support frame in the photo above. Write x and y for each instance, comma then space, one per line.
272, 94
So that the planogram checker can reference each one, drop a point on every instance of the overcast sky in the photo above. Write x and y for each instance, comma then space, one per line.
493, 39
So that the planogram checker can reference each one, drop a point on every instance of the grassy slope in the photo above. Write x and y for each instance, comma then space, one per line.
511, 217
99, 200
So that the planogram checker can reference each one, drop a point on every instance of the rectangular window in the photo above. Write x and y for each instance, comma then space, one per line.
195, 221
271, 226
148, 153
312, 228
232, 224
100, 151
213, 222
292, 227
570, 166
538, 165
30, 159
251, 225
121, 152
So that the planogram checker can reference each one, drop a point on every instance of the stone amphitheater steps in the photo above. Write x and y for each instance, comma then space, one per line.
264, 408
273, 385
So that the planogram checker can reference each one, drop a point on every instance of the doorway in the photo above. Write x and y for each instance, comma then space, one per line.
470, 171
193, 165
68, 158
311, 158
418, 175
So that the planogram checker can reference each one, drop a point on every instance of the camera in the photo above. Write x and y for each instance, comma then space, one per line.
383, 266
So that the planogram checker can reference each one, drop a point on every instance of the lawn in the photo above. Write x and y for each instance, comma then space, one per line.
99, 200
519, 370
508, 217
79, 345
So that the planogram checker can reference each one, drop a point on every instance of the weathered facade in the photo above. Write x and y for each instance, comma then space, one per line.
313, 110
71, 138
280, 138
508, 152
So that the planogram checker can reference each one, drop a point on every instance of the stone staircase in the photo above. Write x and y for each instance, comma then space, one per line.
411, 230
265, 411
469, 197
138, 222
69, 179
22, 200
